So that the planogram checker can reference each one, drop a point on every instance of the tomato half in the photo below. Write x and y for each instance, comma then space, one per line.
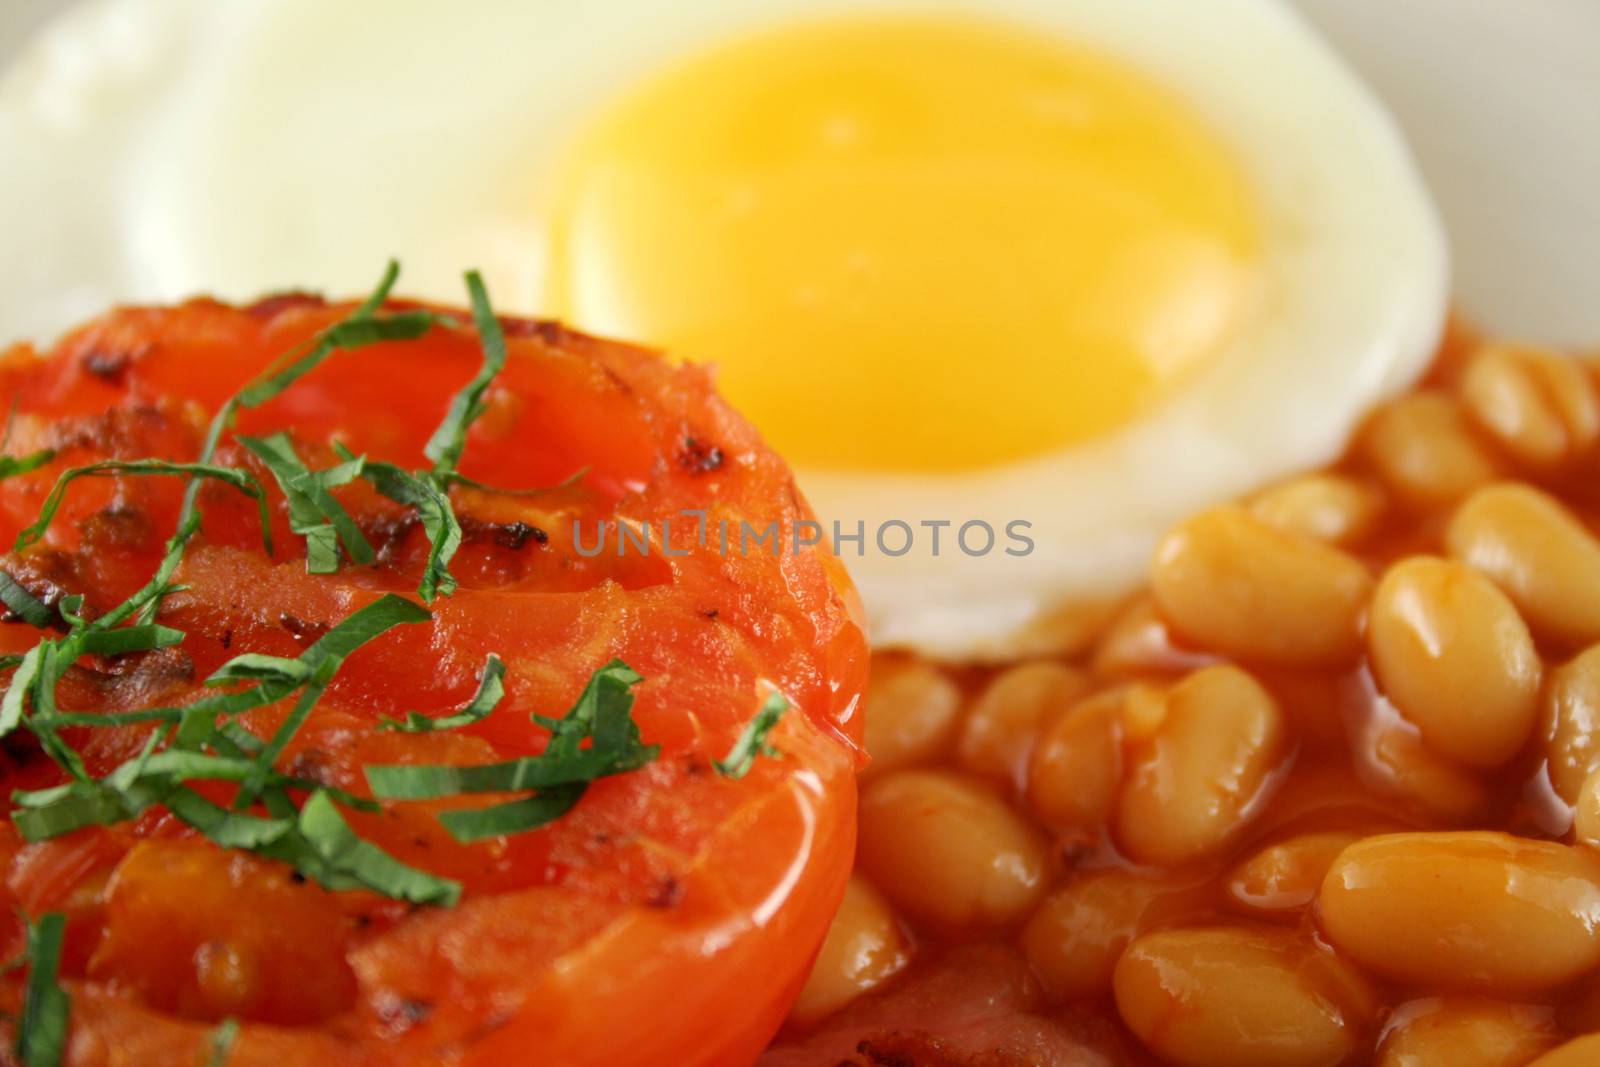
667, 919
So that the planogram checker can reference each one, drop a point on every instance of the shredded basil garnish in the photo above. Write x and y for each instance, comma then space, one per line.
324, 658
364, 863
449, 440
11, 466
313, 511
428, 491
141, 637
363, 327
752, 742
241, 480
602, 715
201, 742
491, 688
23, 604
42, 1029
221, 1042
431, 500
457, 478
159, 777
512, 817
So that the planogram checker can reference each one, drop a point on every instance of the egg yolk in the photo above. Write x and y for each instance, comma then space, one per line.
909, 243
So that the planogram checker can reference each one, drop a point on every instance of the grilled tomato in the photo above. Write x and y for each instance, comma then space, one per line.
529, 738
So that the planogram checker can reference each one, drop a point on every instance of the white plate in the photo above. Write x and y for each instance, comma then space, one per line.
1501, 102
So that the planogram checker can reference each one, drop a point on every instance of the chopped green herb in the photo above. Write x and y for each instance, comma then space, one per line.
221, 1042
23, 604
606, 699
428, 491
361, 626
412, 781
138, 638
123, 794
241, 480
42, 1029
146, 600
323, 658
753, 741
439, 522
513, 817
204, 744
158, 777
90, 807
602, 715
335, 843
313, 511
71, 609
230, 829
359, 329
491, 688
456, 478
449, 440
13, 704
605, 707
255, 667
42, 667
11, 466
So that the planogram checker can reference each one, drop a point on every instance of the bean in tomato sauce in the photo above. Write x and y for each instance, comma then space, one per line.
1326, 793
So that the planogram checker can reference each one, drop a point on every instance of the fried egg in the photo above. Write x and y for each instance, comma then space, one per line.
1013, 285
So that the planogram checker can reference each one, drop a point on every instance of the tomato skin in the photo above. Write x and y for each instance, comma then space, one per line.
647, 952
668, 919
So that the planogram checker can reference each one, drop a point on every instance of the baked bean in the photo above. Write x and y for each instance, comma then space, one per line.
1244, 784
1323, 507
1451, 652
1076, 768
1144, 713
1240, 997
1398, 762
1234, 584
1586, 813
913, 710
1073, 940
1572, 713
1138, 642
1579, 1052
1424, 450
1285, 877
1466, 1032
1534, 549
1390, 760
998, 734
1472, 909
1539, 406
864, 948
949, 851
1193, 786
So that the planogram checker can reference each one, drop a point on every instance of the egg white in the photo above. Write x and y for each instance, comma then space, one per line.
159, 148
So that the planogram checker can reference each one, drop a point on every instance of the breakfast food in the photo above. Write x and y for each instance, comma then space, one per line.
195, 724
1062, 271
1235, 697
1326, 792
